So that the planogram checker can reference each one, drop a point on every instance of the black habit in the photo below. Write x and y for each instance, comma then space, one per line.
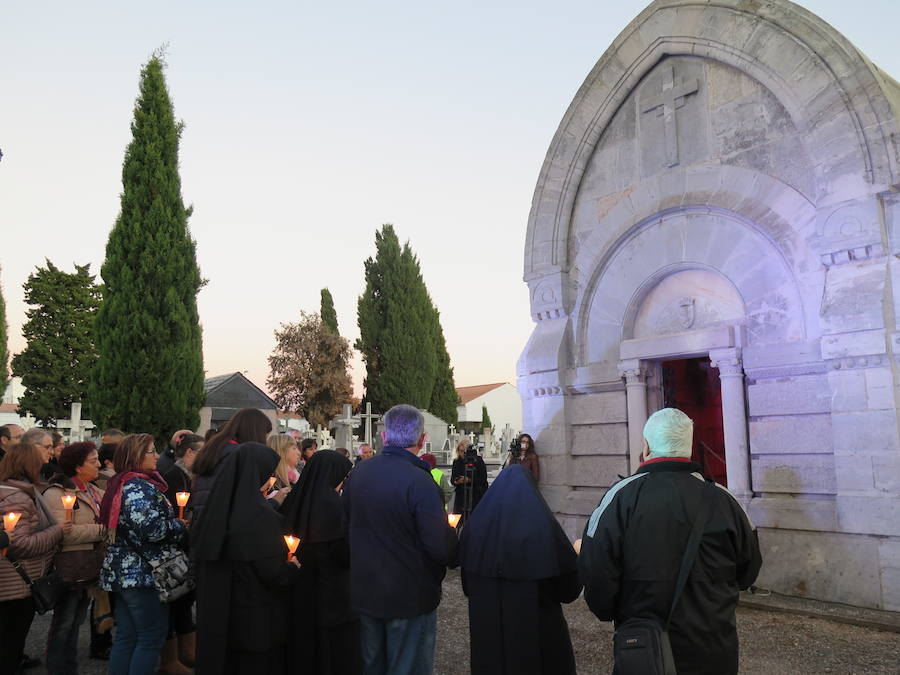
323, 630
479, 483
243, 577
517, 567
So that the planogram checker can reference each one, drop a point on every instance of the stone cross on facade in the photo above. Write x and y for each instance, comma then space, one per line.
368, 417
75, 424
665, 105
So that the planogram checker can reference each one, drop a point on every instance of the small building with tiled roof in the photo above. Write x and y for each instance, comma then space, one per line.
503, 404
226, 394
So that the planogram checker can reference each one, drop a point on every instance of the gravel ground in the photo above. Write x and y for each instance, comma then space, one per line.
772, 643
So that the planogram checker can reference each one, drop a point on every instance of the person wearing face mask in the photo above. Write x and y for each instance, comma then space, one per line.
527, 457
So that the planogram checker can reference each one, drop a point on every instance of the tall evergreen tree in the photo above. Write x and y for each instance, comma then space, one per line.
308, 370
4, 350
149, 375
329, 316
485, 418
444, 399
56, 364
400, 337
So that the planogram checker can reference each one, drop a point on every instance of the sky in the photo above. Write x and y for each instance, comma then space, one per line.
307, 126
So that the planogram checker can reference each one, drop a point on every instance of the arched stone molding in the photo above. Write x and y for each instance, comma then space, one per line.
681, 240
836, 98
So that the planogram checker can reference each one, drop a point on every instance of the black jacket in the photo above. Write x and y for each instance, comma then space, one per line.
400, 542
631, 554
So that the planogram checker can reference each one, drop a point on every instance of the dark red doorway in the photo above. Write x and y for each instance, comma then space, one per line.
692, 386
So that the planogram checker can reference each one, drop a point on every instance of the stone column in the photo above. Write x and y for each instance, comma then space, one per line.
635, 374
734, 421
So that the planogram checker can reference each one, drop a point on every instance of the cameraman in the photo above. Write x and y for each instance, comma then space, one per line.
469, 473
525, 455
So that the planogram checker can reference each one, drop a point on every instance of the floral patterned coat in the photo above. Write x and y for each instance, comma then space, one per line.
147, 530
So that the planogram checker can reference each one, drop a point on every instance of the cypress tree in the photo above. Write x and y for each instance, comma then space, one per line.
4, 349
55, 365
400, 339
444, 399
485, 418
149, 374
329, 316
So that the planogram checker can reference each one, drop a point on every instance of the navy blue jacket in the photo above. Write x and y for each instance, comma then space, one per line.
400, 542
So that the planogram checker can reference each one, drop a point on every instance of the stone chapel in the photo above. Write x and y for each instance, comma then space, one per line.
716, 228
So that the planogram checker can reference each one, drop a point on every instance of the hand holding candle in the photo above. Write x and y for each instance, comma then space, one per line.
292, 544
453, 519
68, 502
182, 499
10, 520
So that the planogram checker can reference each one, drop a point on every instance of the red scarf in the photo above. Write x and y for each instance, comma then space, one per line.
112, 500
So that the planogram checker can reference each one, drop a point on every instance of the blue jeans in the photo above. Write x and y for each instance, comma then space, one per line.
62, 639
398, 646
142, 622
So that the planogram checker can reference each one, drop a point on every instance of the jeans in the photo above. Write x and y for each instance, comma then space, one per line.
15, 620
141, 625
398, 646
62, 639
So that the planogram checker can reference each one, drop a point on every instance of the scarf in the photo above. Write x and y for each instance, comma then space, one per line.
112, 500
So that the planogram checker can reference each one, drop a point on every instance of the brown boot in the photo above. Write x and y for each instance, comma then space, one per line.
187, 649
170, 665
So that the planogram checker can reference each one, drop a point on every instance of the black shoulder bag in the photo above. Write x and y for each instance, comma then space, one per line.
45, 591
641, 646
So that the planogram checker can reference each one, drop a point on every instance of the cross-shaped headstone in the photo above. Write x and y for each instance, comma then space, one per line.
665, 105
345, 424
368, 417
472, 437
75, 424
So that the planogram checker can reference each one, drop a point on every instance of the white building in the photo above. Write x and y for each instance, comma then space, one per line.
8, 415
504, 405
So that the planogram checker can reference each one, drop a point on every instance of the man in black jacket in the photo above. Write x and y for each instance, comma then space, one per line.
400, 547
634, 540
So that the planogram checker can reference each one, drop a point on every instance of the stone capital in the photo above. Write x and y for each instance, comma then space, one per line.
634, 371
728, 361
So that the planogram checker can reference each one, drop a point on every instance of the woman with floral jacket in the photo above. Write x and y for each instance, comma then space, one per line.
143, 527
33, 543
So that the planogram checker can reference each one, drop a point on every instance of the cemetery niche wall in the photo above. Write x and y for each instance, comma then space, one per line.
715, 226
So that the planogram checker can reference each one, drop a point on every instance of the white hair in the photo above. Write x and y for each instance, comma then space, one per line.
669, 433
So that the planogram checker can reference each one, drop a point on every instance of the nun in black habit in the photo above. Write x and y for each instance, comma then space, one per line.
243, 575
517, 567
323, 630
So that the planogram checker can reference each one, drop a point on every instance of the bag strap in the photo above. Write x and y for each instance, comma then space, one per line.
22, 573
693, 545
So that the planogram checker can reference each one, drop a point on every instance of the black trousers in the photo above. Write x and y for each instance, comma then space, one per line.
15, 621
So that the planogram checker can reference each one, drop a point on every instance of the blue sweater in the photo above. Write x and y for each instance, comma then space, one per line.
400, 542
147, 525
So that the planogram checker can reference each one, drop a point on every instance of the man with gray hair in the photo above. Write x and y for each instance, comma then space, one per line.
635, 539
400, 547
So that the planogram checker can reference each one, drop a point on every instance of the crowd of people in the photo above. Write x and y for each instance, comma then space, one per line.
360, 591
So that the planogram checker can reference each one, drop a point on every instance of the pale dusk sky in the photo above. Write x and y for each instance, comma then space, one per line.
308, 125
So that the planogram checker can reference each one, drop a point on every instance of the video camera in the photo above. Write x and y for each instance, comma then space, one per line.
470, 456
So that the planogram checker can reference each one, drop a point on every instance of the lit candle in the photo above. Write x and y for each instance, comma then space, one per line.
182, 499
68, 502
453, 519
292, 544
10, 520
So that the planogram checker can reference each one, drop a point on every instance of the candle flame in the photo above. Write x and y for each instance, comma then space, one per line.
292, 542
182, 498
453, 519
10, 520
68, 501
